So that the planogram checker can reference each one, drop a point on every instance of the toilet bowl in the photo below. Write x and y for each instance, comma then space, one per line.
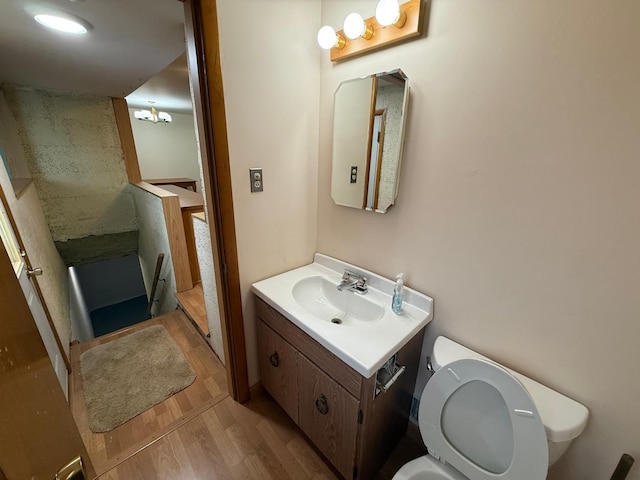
481, 421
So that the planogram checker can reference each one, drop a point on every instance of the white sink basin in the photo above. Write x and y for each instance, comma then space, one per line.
320, 297
361, 330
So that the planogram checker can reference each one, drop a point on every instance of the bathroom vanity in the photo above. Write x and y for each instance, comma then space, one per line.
340, 363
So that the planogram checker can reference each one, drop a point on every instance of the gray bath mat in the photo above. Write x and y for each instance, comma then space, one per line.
127, 376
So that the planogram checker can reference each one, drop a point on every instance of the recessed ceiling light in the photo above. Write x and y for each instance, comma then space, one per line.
63, 24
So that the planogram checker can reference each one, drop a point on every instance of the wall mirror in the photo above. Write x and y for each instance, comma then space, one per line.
368, 134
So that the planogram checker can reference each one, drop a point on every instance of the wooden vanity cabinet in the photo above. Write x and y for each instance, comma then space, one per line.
333, 404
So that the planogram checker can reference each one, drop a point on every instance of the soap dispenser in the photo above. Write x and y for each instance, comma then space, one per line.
396, 301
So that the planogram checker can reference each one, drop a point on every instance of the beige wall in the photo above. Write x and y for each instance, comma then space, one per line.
519, 194
271, 82
167, 150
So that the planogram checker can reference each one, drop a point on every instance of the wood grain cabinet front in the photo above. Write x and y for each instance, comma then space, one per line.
278, 363
336, 407
328, 415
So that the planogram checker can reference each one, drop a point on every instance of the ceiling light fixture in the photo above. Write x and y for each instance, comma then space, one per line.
152, 115
64, 23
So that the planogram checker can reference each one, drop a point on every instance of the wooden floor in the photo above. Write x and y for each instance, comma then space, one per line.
108, 449
192, 303
201, 433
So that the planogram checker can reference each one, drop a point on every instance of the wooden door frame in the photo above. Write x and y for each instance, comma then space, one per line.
203, 54
372, 110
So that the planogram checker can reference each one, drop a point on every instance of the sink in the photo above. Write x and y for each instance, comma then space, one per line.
361, 330
320, 297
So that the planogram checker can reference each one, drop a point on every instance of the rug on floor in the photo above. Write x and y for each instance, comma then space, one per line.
126, 376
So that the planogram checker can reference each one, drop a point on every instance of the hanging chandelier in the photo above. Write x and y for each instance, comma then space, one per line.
152, 115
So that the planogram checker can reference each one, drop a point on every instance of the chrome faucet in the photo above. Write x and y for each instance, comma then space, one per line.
353, 282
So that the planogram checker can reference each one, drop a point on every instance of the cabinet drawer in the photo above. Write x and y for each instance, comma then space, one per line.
278, 369
332, 365
328, 415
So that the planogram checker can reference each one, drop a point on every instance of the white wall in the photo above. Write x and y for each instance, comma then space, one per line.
167, 150
271, 98
519, 194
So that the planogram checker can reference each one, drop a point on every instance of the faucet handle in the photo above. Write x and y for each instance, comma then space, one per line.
348, 274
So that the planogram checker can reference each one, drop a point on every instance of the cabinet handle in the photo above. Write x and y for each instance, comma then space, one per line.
273, 358
322, 405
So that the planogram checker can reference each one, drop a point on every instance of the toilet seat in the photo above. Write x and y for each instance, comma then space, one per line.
476, 417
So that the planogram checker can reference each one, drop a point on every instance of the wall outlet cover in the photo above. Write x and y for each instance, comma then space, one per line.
256, 180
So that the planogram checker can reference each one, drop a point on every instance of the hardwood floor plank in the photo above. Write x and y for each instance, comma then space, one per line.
229, 441
192, 302
288, 461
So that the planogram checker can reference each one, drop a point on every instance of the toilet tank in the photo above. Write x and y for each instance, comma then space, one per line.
563, 418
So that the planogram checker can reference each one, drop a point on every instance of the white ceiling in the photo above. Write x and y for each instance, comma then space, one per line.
131, 42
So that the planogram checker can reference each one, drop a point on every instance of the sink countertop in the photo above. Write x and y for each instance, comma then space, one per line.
366, 347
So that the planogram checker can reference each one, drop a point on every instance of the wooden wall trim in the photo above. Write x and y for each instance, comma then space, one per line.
123, 122
154, 190
203, 53
177, 242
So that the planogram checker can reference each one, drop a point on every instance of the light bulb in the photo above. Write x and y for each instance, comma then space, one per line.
354, 26
388, 13
328, 38
164, 117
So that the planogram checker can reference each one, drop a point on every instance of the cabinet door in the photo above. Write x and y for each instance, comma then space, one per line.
328, 415
278, 369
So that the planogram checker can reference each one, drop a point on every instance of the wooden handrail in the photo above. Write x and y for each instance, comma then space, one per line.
156, 278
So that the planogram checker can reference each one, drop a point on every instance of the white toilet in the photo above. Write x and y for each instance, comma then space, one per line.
481, 421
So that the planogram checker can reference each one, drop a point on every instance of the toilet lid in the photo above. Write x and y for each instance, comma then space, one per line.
475, 416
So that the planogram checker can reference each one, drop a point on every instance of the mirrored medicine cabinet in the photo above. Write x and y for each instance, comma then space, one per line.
368, 134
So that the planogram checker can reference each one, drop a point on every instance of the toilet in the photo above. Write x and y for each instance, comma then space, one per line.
481, 421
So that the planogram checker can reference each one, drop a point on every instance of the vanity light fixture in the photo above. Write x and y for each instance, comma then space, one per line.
63, 22
328, 38
364, 35
152, 115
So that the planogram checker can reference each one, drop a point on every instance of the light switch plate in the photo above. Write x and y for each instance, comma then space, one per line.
257, 181
353, 174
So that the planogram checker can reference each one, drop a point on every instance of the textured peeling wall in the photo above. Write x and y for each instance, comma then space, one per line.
73, 151
391, 98
153, 240
205, 262
33, 228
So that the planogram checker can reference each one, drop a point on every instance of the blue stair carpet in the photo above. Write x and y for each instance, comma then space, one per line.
114, 317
